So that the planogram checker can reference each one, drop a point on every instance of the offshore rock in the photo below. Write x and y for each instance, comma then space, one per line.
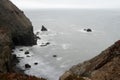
43, 28
88, 30
105, 66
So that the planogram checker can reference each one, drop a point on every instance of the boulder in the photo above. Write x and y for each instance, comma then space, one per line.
27, 66
105, 66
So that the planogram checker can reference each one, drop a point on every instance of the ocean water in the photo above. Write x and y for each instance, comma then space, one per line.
67, 38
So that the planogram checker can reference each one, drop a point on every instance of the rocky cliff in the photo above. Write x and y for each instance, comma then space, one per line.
14, 21
15, 29
105, 66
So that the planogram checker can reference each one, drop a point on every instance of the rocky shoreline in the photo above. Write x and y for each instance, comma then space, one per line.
16, 29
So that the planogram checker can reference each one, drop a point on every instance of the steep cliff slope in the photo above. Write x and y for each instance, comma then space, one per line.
14, 20
105, 66
15, 29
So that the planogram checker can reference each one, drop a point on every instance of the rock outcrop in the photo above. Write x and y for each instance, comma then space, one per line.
15, 22
105, 66
88, 30
15, 29
43, 28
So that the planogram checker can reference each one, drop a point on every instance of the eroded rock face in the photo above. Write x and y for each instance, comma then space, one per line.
15, 29
70, 76
17, 23
105, 66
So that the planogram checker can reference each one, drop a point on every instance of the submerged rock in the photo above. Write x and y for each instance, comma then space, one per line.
21, 50
36, 63
43, 28
37, 33
45, 44
28, 56
105, 66
54, 55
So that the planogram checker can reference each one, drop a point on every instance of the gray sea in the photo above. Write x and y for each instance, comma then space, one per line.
68, 41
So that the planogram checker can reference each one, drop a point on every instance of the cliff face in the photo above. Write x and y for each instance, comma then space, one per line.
5, 51
15, 29
12, 19
105, 66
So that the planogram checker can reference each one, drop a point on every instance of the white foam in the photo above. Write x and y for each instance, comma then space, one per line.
63, 66
59, 58
65, 46
83, 31
47, 66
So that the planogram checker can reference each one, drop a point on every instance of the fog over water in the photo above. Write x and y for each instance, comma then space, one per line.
35, 4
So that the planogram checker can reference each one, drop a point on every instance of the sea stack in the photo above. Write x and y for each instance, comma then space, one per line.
43, 28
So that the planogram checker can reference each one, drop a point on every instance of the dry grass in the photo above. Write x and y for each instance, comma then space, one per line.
15, 76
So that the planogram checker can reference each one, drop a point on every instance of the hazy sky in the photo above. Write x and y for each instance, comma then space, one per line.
67, 3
